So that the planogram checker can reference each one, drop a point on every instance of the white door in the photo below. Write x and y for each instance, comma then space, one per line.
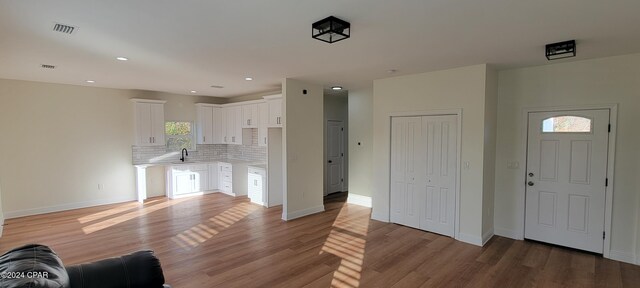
335, 156
405, 170
439, 181
566, 178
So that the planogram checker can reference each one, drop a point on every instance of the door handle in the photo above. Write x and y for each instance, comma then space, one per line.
530, 183
330, 161
530, 174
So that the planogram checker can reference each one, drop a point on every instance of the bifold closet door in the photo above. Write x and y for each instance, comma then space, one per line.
440, 144
405, 147
423, 172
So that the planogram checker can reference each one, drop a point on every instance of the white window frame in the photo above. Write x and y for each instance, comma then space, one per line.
167, 137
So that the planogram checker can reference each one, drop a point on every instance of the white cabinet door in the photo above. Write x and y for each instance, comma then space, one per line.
149, 124
183, 183
143, 124
205, 125
234, 125
255, 185
213, 177
219, 125
157, 124
275, 112
263, 123
200, 179
250, 116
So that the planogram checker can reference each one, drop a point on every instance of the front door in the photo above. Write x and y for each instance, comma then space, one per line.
566, 178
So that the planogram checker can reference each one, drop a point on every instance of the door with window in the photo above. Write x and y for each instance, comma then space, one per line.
566, 178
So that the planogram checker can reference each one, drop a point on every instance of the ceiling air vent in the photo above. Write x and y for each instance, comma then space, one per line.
63, 28
216, 86
47, 66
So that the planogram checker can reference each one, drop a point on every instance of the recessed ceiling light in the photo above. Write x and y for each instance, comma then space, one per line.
90, 81
248, 78
194, 91
122, 58
336, 88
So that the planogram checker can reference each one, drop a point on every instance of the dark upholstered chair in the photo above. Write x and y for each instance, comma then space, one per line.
38, 266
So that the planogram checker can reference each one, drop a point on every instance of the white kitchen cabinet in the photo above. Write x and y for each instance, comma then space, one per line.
205, 124
256, 185
275, 110
219, 125
225, 178
250, 116
263, 123
187, 179
149, 119
234, 125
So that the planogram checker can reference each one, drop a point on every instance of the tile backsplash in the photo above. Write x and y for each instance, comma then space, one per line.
249, 151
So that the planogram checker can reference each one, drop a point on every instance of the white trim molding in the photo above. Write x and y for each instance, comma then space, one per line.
471, 239
65, 207
508, 233
304, 212
622, 256
359, 200
487, 236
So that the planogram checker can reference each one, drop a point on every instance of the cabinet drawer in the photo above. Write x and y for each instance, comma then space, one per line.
198, 167
256, 171
226, 176
226, 167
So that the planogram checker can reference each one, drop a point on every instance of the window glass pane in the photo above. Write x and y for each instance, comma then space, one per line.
178, 128
177, 143
566, 124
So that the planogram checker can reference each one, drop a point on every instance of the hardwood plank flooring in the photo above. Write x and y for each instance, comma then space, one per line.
221, 241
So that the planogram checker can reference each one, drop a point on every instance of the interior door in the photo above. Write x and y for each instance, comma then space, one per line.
335, 156
566, 178
406, 148
439, 180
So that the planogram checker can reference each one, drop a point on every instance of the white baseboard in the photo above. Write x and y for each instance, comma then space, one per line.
622, 257
359, 200
64, 207
487, 236
513, 234
471, 239
304, 212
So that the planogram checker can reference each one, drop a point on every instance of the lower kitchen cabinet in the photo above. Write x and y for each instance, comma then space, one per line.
186, 179
256, 185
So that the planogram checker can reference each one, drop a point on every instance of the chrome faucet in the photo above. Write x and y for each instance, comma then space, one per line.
183, 153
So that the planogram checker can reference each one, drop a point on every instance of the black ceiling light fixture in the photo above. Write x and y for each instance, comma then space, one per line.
331, 29
561, 50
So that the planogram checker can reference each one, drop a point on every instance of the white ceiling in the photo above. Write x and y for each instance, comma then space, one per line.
178, 46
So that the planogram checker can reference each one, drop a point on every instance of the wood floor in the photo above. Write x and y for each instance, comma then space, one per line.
221, 241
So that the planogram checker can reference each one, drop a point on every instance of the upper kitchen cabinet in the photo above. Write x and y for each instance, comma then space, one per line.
234, 125
263, 123
205, 124
275, 110
149, 122
250, 116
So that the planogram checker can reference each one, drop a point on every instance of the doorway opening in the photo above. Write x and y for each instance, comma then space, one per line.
336, 159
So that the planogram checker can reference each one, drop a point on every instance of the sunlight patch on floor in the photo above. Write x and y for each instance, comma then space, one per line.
202, 232
347, 240
113, 211
129, 216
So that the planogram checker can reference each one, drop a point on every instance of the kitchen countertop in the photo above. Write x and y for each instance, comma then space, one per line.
179, 163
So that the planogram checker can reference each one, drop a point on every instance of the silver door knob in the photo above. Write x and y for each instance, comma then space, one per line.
530, 183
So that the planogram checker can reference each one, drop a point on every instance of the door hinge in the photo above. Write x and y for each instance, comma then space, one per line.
606, 182
342, 154
341, 129
603, 234
609, 128
342, 180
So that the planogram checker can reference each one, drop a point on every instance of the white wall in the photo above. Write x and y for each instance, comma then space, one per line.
448, 89
360, 141
1, 213
60, 141
597, 81
336, 108
303, 145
